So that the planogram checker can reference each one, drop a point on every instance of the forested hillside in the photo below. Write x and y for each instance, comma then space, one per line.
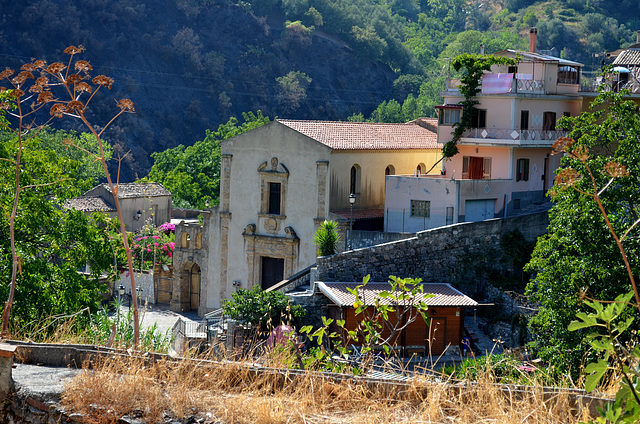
189, 65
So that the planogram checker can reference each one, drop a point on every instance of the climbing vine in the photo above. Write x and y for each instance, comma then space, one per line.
473, 67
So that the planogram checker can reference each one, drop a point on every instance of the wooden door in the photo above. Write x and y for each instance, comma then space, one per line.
194, 284
272, 271
436, 335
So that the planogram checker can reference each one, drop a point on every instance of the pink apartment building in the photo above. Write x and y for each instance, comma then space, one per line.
504, 163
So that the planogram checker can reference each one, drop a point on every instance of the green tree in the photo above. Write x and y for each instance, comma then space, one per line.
292, 89
192, 174
579, 258
53, 243
72, 145
265, 309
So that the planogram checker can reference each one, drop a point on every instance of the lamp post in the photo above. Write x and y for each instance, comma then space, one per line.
138, 293
352, 200
120, 294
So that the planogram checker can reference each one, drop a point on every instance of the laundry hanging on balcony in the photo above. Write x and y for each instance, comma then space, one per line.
497, 83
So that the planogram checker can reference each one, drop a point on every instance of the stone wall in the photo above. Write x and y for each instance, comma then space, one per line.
465, 255
144, 281
371, 238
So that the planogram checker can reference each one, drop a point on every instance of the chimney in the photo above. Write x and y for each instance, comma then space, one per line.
533, 39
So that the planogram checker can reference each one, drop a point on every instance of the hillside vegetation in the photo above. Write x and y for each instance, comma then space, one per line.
190, 65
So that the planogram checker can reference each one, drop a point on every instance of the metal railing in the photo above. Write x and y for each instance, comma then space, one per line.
188, 334
540, 135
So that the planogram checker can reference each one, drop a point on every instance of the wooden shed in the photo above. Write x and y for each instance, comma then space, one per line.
446, 313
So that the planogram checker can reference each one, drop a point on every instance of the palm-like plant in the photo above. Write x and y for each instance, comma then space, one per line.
327, 238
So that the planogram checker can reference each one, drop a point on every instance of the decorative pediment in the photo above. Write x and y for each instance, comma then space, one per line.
273, 167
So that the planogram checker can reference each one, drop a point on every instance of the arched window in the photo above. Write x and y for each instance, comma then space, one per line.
354, 181
421, 169
390, 170
184, 242
199, 241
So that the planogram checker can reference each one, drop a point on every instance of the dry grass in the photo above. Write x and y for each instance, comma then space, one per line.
231, 393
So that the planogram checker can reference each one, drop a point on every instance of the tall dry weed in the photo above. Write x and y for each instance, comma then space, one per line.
231, 392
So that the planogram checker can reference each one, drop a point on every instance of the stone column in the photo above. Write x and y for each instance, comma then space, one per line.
6, 360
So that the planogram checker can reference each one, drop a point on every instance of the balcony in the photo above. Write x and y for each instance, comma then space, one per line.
513, 137
518, 85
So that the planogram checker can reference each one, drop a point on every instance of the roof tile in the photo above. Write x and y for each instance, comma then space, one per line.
365, 135
88, 204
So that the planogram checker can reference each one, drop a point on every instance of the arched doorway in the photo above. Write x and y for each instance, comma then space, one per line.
190, 287
194, 287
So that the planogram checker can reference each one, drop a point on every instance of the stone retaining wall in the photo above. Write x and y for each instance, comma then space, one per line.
463, 254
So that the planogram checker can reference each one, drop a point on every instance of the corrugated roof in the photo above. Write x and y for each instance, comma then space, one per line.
628, 57
445, 295
139, 190
524, 56
89, 204
365, 135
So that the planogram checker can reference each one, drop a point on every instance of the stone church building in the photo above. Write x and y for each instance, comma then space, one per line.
278, 183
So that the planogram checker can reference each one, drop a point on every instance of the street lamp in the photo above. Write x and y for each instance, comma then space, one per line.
138, 293
120, 294
352, 200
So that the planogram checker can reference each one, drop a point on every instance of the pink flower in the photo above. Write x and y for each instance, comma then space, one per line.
169, 254
155, 244
172, 245
156, 237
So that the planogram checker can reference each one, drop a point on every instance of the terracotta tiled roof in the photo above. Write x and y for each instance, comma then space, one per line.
365, 135
139, 190
445, 295
88, 204
628, 57
360, 213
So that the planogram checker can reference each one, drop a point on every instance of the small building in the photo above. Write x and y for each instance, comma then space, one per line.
139, 202
446, 314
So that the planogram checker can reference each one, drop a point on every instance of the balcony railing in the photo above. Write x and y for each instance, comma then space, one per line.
529, 136
518, 85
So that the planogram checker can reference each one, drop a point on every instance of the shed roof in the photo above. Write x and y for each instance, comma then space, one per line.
628, 57
366, 135
444, 294
524, 56
139, 190
88, 204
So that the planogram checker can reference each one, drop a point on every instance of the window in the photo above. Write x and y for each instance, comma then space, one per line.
512, 70
476, 168
390, 170
549, 121
449, 215
568, 75
420, 208
354, 180
421, 169
479, 119
275, 195
524, 119
274, 176
522, 170
449, 116
567, 114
